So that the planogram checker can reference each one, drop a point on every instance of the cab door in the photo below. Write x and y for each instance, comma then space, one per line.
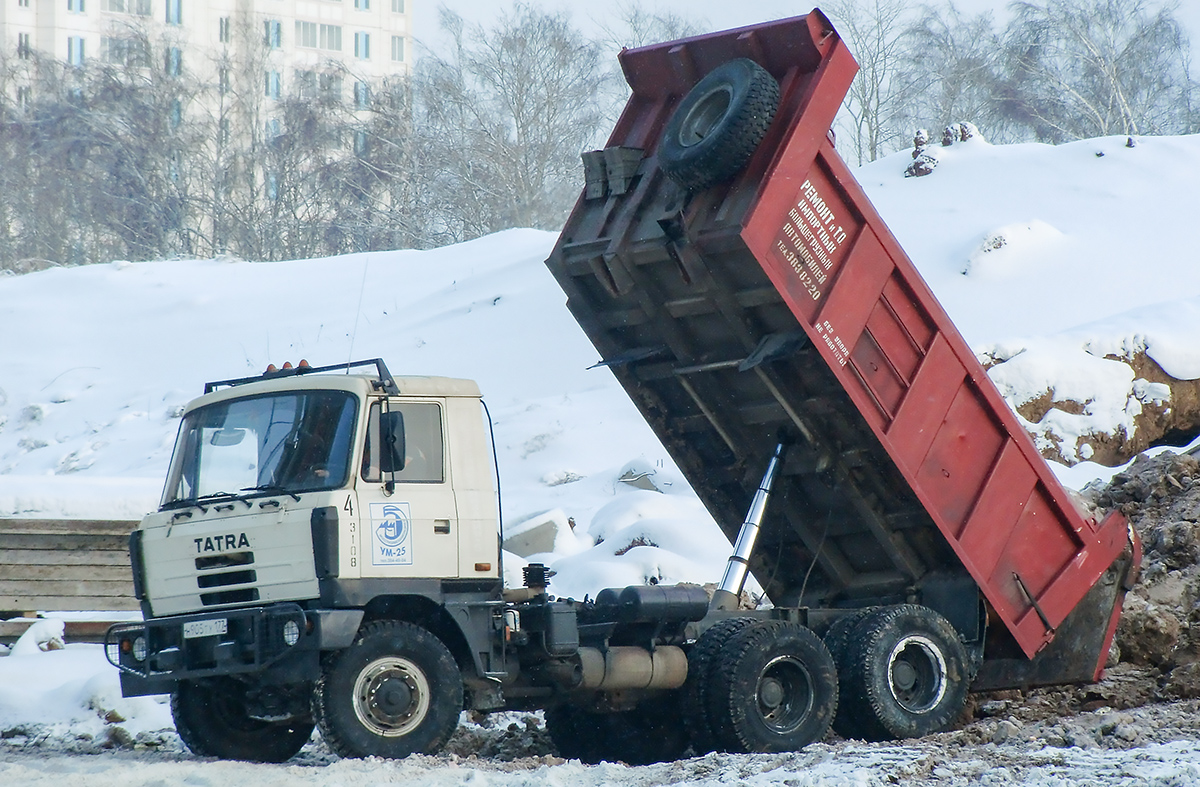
406, 495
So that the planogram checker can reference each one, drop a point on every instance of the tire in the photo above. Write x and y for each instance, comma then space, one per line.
837, 641
718, 125
905, 674
773, 688
648, 734
395, 691
211, 719
694, 697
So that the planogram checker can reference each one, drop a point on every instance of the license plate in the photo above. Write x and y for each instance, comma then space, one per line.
205, 628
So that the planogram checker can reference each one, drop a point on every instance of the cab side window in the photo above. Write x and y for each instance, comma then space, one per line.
424, 455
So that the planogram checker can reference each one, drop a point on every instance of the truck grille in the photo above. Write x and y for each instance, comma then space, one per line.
213, 577
239, 596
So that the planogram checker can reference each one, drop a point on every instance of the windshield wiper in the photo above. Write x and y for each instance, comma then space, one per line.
214, 497
272, 488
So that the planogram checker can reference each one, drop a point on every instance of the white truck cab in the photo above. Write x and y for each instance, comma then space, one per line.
277, 482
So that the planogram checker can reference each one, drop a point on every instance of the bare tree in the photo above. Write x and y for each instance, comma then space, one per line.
875, 108
953, 62
1082, 68
511, 108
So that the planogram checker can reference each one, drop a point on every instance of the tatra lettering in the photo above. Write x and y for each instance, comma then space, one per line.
222, 543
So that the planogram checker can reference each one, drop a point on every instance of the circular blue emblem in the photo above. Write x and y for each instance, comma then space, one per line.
393, 530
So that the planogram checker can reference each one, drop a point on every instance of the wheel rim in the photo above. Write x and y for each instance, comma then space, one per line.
917, 674
704, 116
391, 696
784, 694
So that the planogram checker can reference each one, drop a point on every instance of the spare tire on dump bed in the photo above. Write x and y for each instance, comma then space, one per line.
719, 124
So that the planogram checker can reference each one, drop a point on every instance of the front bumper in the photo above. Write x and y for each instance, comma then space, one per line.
280, 640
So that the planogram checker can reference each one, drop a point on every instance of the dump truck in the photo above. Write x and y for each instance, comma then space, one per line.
326, 554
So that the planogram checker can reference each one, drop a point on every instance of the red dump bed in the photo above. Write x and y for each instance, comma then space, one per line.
779, 300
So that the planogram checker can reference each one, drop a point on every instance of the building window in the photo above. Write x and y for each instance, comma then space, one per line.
223, 80
23, 3
272, 183
23, 48
273, 84
398, 48
75, 6
331, 37
362, 5
362, 95
174, 61
224, 30
397, 6
113, 50
176, 113
273, 33
139, 7
331, 85
306, 84
174, 12
224, 131
24, 95
306, 34
75, 50
362, 46
360, 143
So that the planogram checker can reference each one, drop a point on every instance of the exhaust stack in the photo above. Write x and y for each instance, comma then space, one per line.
730, 589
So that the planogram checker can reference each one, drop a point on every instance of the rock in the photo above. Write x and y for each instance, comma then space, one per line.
1183, 682
1148, 633
1004, 730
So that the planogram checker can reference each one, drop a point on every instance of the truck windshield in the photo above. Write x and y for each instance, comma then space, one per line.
289, 442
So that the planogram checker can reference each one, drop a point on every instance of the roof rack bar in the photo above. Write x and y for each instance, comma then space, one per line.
386, 382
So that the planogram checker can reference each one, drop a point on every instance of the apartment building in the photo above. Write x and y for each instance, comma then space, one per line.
367, 39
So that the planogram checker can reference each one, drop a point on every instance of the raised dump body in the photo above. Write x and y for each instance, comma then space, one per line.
734, 306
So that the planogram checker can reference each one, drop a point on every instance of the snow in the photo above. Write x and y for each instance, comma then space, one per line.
1050, 259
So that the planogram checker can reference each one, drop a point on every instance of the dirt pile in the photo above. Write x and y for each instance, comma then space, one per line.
1160, 627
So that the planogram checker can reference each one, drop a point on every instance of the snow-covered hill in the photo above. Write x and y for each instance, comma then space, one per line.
1070, 270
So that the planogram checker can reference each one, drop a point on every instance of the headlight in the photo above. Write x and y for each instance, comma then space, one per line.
291, 633
139, 649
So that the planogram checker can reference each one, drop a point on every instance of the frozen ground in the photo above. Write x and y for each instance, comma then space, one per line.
1060, 265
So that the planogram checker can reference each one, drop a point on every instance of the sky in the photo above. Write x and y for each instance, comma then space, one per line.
718, 14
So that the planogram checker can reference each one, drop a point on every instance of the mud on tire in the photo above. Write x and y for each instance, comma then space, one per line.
772, 688
396, 691
904, 674
647, 734
211, 719
694, 697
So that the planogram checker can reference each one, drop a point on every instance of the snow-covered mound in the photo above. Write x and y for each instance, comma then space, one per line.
1072, 272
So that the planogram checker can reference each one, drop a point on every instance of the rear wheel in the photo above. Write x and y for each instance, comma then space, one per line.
212, 720
905, 675
647, 734
694, 697
397, 690
837, 640
773, 688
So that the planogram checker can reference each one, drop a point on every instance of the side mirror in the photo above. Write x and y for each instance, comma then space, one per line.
391, 430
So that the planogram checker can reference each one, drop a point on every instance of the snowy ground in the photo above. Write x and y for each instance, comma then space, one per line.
1050, 257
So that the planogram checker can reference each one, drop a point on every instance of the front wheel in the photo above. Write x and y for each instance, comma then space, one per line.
395, 691
211, 718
